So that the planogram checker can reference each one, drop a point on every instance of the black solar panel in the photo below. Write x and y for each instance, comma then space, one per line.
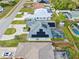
51, 24
41, 33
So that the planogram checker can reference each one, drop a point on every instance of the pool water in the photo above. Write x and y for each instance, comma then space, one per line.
75, 31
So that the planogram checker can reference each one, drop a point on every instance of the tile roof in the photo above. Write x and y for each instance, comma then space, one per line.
35, 50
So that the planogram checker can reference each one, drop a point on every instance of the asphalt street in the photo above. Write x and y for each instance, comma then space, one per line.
5, 22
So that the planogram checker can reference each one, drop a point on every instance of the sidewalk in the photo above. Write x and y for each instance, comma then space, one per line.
19, 30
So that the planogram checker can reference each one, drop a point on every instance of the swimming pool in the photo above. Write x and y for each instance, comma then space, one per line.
75, 31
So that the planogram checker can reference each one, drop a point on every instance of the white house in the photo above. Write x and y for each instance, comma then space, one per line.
40, 14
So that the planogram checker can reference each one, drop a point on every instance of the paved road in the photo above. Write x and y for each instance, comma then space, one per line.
5, 22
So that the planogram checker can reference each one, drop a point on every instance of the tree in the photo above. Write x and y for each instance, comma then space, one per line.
3, 4
12, 3
58, 18
63, 4
72, 6
0, 0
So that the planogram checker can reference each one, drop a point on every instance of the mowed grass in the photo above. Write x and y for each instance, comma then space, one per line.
10, 31
19, 15
30, 10
6, 10
19, 22
14, 42
17, 1
57, 39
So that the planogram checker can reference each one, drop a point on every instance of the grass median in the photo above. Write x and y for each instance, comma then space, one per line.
10, 31
19, 22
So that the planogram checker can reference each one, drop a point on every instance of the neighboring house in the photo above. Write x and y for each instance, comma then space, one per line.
41, 1
40, 14
1, 9
75, 15
38, 50
71, 15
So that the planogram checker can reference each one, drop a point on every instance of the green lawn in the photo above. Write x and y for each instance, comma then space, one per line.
26, 8
7, 9
14, 42
58, 18
19, 15
10, 31
57, 39
19, 22
16, 0
30, 10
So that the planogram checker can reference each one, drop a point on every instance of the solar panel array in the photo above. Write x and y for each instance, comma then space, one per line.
51, 24
41, 33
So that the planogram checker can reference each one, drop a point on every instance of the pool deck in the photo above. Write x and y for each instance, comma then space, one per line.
72, 32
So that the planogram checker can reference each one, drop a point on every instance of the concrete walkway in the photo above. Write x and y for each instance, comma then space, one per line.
23, 17
19, 30
18, 27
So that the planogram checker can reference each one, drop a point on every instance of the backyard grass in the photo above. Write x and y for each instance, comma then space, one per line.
10, 31
14, 42
19, 22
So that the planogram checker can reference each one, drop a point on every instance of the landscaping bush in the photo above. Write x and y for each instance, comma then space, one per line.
4, 4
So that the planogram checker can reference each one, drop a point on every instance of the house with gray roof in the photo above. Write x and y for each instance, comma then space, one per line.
41, 26
71, 15
40, 14
40, 31
38, 50
44, 31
